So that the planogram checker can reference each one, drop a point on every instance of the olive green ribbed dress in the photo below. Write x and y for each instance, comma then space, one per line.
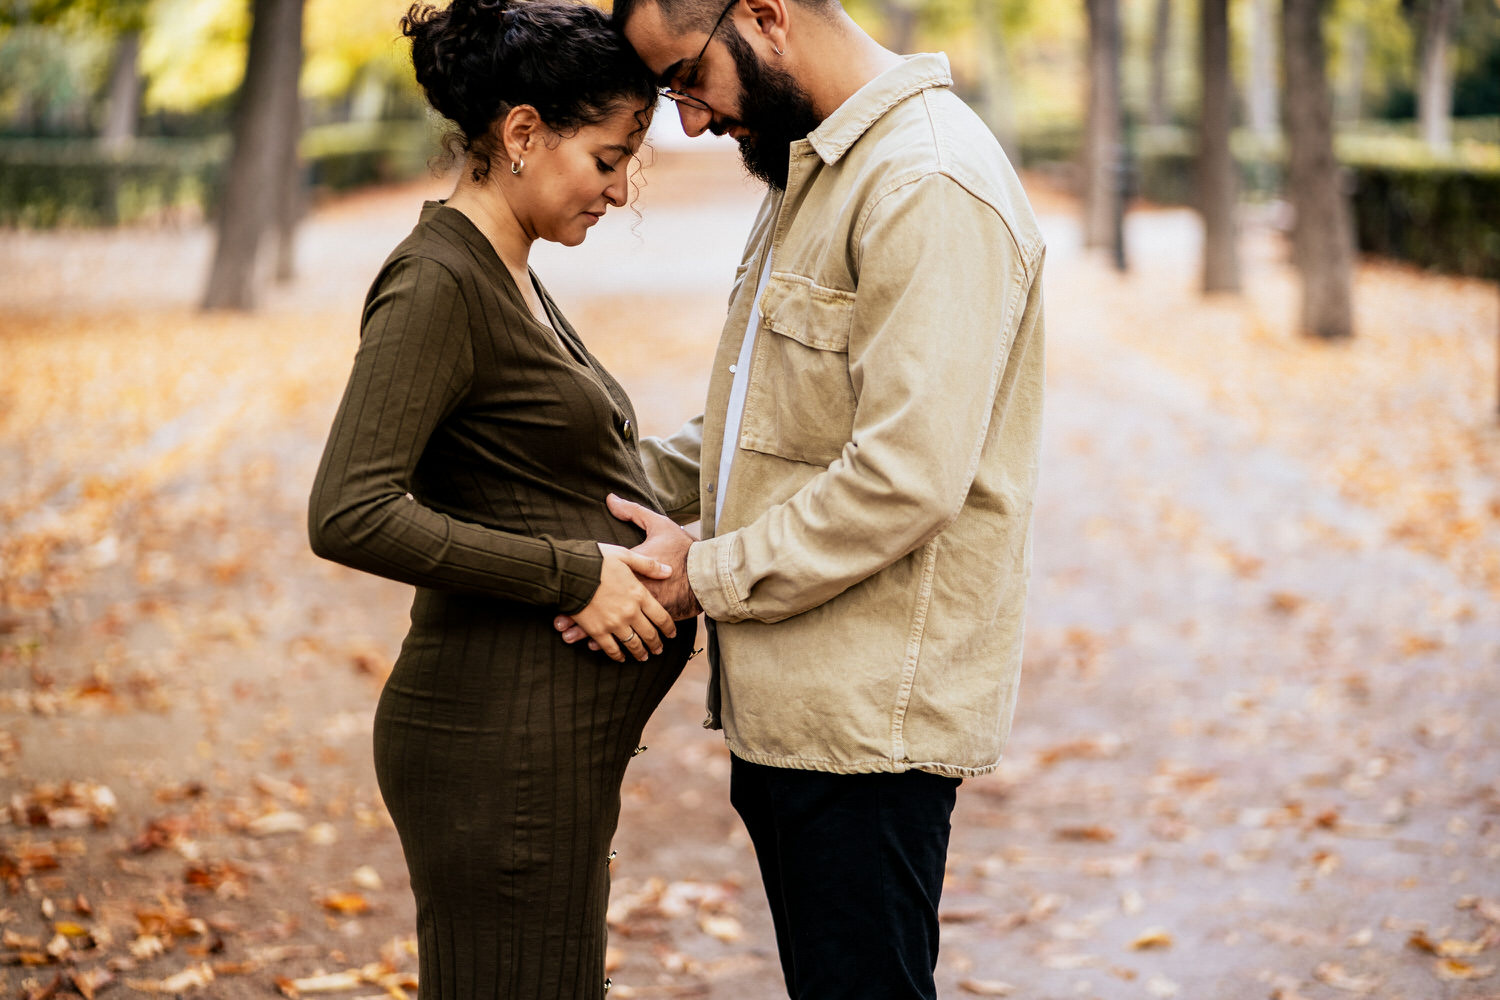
470, 457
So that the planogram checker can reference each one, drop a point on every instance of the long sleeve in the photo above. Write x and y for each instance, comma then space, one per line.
414, 366
672, 465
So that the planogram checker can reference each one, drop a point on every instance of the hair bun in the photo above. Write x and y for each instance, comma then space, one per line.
477, 59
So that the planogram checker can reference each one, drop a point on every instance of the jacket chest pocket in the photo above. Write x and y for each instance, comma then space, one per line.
800, 400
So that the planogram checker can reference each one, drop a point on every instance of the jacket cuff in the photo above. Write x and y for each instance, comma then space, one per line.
580, 565
708, 571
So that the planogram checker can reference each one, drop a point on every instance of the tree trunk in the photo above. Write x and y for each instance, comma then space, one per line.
1158, 112
901, 22
1322, 243
1101, 152
122, 111
1351, 101
291, 199
1261, 98
253, 182
1217, 183
1435, 79
994, 67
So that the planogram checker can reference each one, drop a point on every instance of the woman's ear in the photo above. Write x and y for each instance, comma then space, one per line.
520, 131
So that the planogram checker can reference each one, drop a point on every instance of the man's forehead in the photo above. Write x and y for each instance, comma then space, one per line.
660, 46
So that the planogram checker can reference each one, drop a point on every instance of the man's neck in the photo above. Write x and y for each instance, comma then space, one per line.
833, 58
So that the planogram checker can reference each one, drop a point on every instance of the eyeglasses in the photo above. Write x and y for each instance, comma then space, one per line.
692, 68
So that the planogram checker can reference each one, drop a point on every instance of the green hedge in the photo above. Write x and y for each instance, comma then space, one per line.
1435, 212
45, 183
1440, 217
50, 182
357, 154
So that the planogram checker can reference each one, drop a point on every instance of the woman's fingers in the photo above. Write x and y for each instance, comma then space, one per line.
646, 566
634, 643
660, 618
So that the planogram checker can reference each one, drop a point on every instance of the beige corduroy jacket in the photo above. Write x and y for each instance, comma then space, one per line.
865, 570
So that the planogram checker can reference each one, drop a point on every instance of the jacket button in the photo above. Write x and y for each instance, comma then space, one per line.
733, 369
710, 487
607, 985
626, 430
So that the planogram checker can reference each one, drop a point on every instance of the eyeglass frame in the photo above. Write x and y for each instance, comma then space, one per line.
684, 98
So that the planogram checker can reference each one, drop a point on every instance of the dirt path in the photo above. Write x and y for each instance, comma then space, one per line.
1254, 754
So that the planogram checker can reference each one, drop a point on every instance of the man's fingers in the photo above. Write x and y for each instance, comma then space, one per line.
574, 634
625, 510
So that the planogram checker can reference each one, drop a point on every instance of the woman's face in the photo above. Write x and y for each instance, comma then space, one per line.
569, 182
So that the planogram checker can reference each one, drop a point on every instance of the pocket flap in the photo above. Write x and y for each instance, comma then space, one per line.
808, 313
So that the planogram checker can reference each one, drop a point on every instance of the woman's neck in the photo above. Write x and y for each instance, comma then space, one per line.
486, 207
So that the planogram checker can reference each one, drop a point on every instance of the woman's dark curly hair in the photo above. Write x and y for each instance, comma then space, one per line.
479, 58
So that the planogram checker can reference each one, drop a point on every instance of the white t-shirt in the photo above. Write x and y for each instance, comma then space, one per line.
741, 370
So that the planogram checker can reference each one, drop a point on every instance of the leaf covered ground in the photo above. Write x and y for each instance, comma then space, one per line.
1256, 750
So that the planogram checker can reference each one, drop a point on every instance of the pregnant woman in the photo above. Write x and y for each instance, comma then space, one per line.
469, 457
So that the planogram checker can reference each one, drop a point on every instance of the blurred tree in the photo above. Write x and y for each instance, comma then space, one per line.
1102, 154
901, 18
1322, 239
997, 98
1217, 188
265, 136
1260, 97
123, 21
1349, 104
1157, 111
194, 54
1435, 74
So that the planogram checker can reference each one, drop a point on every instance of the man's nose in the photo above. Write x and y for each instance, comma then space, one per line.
695, 121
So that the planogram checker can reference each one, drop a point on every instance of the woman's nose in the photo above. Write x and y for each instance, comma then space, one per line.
615, 193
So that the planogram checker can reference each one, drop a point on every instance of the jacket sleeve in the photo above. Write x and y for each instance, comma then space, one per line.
414, 366
941, 286
672, 465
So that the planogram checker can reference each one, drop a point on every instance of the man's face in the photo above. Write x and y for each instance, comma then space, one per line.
760, 105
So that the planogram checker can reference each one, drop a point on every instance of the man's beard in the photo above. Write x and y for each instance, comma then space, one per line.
774, 111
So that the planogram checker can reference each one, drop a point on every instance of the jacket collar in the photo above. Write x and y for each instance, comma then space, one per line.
842, 129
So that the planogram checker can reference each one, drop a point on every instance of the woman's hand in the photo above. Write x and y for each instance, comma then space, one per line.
623, 617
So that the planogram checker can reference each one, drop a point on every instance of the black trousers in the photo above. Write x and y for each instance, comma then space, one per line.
853, 870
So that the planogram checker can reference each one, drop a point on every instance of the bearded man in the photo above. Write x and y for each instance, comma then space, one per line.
864, 470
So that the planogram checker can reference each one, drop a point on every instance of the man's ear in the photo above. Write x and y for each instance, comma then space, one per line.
520, 131
771, 20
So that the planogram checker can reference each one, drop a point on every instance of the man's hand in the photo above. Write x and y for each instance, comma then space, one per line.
667, 544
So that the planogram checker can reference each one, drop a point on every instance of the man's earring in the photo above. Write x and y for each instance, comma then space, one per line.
516, 165
778, 50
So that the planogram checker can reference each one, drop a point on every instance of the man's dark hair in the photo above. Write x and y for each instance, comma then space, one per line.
694, 15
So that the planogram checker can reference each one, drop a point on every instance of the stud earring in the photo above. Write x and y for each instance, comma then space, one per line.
515, 166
